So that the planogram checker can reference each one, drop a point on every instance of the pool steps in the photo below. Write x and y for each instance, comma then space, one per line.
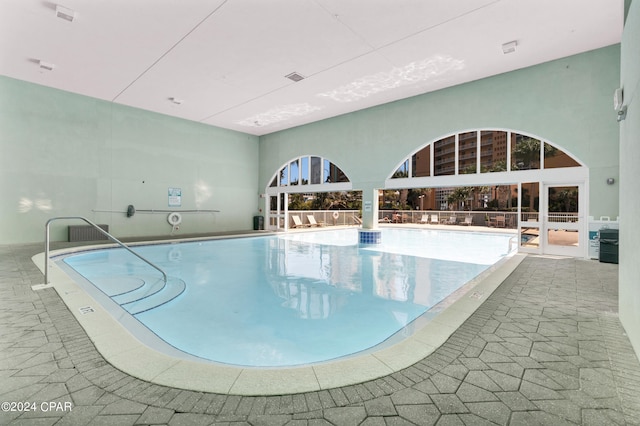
149, 288
174, 288
140, 294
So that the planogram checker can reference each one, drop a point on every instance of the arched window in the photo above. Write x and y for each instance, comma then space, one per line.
483, 151
306, 171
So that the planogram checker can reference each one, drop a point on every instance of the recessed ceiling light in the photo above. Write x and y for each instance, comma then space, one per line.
509, 47
46, 65
294, 76
176, 101
65, 13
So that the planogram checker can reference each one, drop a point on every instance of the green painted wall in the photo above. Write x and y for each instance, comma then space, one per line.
66, 155
629, 288
567, 101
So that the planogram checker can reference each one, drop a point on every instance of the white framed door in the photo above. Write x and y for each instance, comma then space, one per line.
277, 212
563, 230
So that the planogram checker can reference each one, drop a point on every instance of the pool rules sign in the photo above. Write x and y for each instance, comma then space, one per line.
175, 197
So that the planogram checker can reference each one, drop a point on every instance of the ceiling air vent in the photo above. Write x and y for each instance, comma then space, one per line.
65, 13
294, 76
46, 66
509, 47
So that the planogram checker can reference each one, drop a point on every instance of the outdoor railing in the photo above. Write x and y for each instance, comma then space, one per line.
498, 219
530, 216
562, 217
321, 217
353, 217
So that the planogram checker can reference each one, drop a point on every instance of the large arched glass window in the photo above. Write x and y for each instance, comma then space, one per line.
493, 151
308, 170
483, 151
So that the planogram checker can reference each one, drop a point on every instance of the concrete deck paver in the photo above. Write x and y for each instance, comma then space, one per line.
545, 348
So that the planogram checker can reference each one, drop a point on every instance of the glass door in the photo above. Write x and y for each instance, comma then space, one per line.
277, 212
563, 225
529, 223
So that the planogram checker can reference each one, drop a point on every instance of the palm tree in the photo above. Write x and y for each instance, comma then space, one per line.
414, 194
296, 202
460, 194
564, 201
499, 166
526, 154
479, 191
344, 200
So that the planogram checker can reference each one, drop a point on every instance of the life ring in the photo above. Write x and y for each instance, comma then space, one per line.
174, 219
336, 215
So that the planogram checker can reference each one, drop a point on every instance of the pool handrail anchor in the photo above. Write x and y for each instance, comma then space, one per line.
102, 231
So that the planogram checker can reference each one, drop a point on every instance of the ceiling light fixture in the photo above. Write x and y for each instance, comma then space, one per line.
294, 76
176, 101
65, 13
46, 65
278, 114
424, 72
509, 47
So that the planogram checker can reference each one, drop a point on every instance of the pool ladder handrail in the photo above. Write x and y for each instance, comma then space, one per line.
102, 231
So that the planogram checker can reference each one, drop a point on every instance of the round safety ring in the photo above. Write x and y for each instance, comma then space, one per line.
336, 215
174, 219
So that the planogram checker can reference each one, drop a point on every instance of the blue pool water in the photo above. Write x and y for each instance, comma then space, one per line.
290, 299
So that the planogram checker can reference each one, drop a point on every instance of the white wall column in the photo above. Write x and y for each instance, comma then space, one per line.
370, 208
369, 234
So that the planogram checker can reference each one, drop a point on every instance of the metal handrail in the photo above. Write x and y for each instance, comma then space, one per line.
102, 231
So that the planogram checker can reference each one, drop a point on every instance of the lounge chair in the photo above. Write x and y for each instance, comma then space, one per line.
434, 219
468, 221
312, 221
500, 222
384, 220
451, 221
357, 220
425, 219
297, 223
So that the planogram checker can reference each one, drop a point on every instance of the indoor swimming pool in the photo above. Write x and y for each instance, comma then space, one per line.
289, 299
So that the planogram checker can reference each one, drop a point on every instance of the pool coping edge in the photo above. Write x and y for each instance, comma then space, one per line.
138, 360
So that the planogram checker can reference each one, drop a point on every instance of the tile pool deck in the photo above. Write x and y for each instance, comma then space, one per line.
545, 348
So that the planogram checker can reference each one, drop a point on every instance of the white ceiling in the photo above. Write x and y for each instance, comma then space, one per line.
226, 60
